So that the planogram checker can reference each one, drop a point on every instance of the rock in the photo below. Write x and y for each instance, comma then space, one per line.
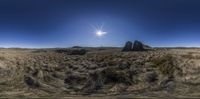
128, 46
151, 77
40, 74
111, 75
74, 79
30, 81
77, 52
118, 88
138, 46
124, 65
147, 46
168, 84
94, 83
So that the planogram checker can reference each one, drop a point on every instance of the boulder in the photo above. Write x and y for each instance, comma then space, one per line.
138, 46
151, 77
128, 46
168, 84
31, 82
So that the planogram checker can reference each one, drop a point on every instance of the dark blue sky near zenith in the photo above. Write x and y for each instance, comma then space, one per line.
65, 23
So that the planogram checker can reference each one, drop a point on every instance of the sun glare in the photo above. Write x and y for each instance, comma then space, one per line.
99, 30
100, 33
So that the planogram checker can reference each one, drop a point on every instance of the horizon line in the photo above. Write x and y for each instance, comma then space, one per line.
96, 47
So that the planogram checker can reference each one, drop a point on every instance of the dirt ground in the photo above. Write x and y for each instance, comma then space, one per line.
100, 72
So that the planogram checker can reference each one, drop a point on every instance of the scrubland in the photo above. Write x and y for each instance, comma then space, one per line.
99, 72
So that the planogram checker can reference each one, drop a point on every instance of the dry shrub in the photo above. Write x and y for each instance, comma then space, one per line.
115, 76
73, 79
108, 76
2, 58
77, 52
111, 62
165, 64
62, 50
188, 56
112, 75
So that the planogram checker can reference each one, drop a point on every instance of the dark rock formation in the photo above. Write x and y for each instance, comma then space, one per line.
128, 46
138, 46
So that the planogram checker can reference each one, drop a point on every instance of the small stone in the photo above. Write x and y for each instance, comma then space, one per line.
151, 77
124, 65
77, 52
30, 81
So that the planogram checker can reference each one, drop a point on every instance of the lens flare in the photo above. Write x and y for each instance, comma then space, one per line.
100, 33
99, 30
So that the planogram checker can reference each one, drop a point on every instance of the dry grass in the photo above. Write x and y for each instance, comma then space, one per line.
55, 72
165, 64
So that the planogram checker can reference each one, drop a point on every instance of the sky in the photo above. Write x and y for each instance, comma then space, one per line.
66, 23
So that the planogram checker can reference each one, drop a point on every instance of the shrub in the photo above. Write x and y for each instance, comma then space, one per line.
112, 75
165, 64
73, 79
77, 52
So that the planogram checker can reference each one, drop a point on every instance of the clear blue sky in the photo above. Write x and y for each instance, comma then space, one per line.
65, 23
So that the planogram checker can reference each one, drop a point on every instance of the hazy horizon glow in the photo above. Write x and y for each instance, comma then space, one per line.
66, 23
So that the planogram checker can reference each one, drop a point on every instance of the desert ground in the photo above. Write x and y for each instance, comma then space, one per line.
100, 72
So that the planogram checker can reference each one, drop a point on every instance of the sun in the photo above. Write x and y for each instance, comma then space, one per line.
99, 30
100, 33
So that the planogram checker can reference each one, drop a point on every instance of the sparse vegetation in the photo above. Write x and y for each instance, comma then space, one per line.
165, 64
49, 72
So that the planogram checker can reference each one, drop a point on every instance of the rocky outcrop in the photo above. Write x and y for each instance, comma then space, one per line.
136, 46
128, 46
